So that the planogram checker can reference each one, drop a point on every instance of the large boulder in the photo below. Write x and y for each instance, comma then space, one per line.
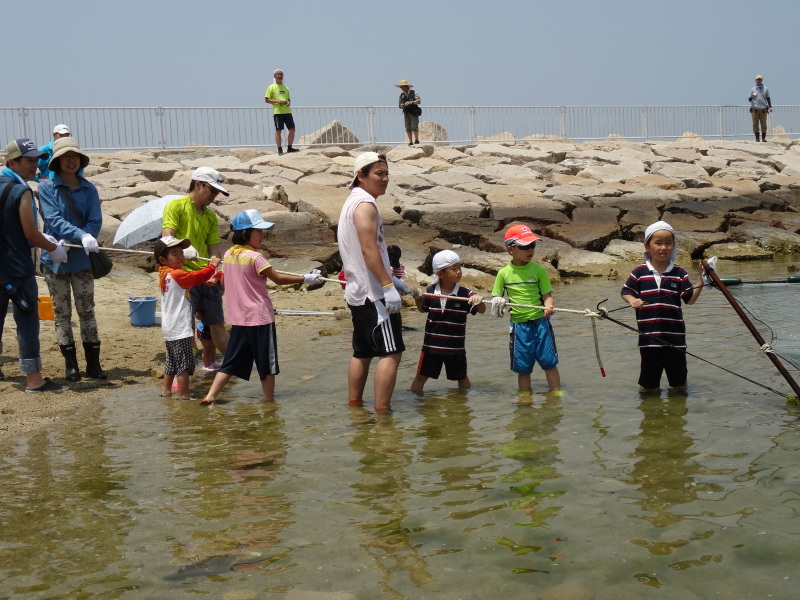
332, 134
432, 133
691, 175
770, 239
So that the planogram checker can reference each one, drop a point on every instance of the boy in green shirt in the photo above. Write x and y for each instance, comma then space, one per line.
526, 282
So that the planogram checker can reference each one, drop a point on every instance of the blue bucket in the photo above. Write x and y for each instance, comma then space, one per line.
143, 310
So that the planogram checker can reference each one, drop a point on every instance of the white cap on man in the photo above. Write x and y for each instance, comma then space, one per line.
61, 129
210, 176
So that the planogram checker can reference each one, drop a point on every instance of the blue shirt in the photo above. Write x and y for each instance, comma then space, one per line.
62, 224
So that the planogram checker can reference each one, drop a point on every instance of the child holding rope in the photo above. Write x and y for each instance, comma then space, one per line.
249, 307
447, 322
527, 283
176, 311
655, 289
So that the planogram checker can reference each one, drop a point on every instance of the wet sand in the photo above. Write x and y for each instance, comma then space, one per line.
130, 355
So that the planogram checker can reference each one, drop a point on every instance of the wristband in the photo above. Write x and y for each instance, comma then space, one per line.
388, 285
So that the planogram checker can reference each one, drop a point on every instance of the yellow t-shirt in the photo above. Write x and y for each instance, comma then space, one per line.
278, 91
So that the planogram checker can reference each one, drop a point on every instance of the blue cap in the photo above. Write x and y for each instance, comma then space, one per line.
250, 219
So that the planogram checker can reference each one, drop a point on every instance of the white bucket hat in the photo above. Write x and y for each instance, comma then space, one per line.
442, 260
660, 226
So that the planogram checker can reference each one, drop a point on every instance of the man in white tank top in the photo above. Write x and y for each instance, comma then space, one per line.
370, 293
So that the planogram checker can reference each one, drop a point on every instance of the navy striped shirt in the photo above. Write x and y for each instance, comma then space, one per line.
661, 317
446, 326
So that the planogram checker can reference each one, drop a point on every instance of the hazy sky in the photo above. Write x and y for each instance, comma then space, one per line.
352, 52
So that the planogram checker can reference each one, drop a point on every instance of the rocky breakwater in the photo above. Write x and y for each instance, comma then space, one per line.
589, 202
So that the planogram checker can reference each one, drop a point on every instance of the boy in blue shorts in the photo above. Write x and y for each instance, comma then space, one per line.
526, 282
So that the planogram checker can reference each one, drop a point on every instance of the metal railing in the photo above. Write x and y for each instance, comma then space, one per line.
226, 127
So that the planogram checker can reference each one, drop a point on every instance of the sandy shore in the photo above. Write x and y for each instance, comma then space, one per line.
130, 355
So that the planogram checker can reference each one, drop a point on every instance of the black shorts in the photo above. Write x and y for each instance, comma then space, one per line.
283, 120
208, 300
251, 344
430, 365
371, 339
655, 361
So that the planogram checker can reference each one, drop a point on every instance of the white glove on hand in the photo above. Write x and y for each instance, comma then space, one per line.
712, 264
59, 255
499, 306
314, 277
90, 243
417, 293
392, 298
190, 253
475, 299
400, 285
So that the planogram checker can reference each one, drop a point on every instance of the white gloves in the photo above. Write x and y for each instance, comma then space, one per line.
392, 298
314, 277
400, 285
498, 306
712, 264
90, 243
475, 299
190, 253
59, 255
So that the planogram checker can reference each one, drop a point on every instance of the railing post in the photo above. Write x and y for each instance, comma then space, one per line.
371, 123
471, 119
645, 128
22, 113
159, 113
563, 118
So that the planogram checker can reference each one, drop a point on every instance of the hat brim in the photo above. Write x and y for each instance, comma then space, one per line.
217, 186
84, 157
263, 225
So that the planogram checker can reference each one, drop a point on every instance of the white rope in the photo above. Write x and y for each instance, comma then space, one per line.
585, 313
767, 349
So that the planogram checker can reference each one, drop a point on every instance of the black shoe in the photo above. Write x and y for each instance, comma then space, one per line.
47, 386
417, 142
290, 149
411, 143
280, 151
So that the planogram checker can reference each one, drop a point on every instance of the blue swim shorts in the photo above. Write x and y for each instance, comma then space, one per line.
532, 342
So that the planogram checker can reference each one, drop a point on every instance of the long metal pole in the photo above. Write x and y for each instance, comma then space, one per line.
749, 324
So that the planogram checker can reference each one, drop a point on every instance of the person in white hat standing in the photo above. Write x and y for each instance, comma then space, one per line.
760, 105
409, 104
371, 293
189, 217
59, 131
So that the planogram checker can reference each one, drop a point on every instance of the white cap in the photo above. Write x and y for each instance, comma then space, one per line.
442, 260
660, 226
364, 160
211, 176
61, 128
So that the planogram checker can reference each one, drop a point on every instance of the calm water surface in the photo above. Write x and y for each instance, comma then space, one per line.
601, 492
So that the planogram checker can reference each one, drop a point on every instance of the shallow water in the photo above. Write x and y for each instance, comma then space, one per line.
600, 491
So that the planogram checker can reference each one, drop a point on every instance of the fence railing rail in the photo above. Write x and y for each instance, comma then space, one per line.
117, 128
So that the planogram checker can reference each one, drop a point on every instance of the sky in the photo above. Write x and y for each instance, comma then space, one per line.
351, 52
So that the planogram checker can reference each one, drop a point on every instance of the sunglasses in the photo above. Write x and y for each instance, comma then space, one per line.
530, 246
212, 190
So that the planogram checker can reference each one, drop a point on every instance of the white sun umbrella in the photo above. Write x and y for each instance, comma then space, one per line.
143, 223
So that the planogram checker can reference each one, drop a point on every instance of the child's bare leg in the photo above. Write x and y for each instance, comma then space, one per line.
524, 382
464, 383
553, 379
183, 384
418, 384
268, 387
166, 385
220, 379
209, 352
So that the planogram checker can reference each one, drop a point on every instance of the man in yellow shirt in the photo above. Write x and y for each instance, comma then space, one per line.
278, 95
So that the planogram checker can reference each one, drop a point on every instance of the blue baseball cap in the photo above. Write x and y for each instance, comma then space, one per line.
250, 219
23, 148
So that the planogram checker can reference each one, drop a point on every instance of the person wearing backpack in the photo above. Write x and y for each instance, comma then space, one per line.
409, 104
19, 234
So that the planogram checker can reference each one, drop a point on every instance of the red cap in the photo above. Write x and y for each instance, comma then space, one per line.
520, 235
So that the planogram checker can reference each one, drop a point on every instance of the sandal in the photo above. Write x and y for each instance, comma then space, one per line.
47, 386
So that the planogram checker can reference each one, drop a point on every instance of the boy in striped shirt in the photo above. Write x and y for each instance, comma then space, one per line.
655, 289
447, 323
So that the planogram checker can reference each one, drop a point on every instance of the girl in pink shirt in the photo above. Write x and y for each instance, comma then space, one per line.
248, 307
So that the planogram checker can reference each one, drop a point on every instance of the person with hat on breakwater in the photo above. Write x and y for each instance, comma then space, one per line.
409, 104
760, 105
71, 208
19, 234
190, 217
59, 131
278, 95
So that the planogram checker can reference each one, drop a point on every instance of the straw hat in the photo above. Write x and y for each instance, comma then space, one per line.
403, 83
64, 145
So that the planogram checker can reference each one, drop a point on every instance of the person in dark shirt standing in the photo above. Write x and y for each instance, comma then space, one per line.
409, 104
